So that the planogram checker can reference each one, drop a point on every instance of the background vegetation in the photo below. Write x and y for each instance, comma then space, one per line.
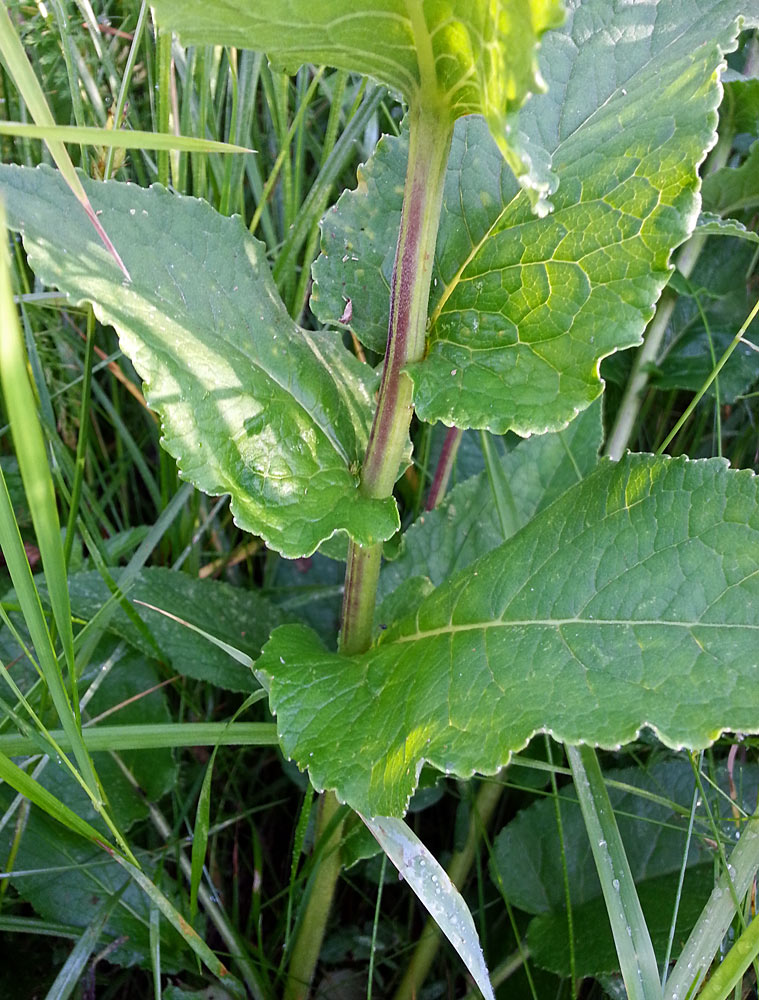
249, 806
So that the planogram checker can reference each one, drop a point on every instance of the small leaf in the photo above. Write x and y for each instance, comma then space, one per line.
418, 866
241, 618
710, 224
632, 601
711, 307
251, 404
462, 57
734, 189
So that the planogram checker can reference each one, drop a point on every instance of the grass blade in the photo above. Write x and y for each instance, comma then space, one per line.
153, 737
119, 138
20, 69
32, 458
40, 796
631, 938
435, 891
198, 945
71, 971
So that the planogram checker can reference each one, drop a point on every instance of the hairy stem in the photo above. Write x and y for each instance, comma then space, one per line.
430, 140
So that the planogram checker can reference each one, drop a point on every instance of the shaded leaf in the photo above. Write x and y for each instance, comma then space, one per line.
241, 618
251, 404
740, 105
595, 953
711, 307
466, 525
734, 189
632, 601
66, 879
654, 834
710, 224
520, 307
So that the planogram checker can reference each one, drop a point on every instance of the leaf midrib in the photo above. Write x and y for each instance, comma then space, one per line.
556, 623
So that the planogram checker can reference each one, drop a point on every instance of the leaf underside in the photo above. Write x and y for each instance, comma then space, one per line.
632, 601
251, 404
460, 57
523, 309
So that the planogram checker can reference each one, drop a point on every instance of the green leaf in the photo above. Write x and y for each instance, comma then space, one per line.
520, 307
241, 618
119, 138
66, 879
460, 57
734, 189
652, 816
595, 953
710, 224
710, 309
632, 601
251, 404
466, 524
740, 106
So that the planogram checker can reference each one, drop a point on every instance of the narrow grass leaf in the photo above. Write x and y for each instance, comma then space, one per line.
434, 889
20, 69
706, 937
119, 138
631, 938
153, 737
728, 975
193, 939
40, 796
38, 484
69, 976
200, 835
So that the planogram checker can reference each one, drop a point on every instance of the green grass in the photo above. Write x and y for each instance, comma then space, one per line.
90, 490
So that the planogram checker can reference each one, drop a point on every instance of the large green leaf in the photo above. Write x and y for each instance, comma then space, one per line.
459, 57
523, 309
467, 524
251, 404
632, 601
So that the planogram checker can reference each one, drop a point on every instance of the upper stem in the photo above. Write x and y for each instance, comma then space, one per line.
429, 143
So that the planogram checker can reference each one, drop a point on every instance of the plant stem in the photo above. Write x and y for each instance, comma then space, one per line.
444, 467
429, 144
631, 935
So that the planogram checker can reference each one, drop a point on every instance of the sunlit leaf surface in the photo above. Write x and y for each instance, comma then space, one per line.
251, 404
632, 601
